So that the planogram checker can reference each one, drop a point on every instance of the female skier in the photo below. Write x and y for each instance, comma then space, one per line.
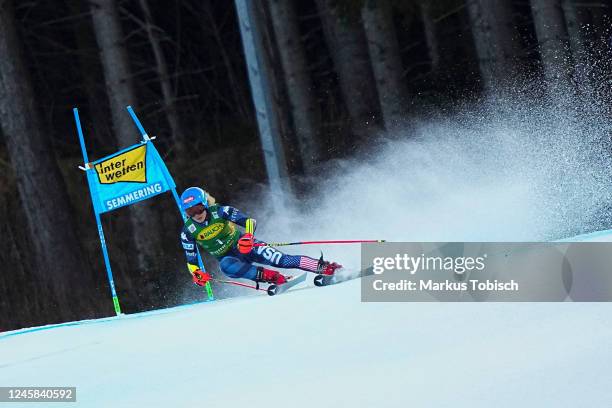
213, 227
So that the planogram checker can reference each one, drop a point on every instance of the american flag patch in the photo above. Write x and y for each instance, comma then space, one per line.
304, 263
308, 264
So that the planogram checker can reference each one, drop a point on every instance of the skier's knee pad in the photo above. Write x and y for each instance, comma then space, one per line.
235, 268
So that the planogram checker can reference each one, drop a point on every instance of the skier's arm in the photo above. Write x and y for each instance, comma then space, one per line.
189, 246
246, 242
234, 215
199, 276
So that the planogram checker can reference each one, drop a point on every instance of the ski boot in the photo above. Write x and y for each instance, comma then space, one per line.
275, 279
325, 272
270, 276
327, 268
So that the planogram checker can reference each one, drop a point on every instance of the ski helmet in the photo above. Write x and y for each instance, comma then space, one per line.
193, 196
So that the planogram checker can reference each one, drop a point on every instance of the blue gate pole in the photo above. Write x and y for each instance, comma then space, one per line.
109, 272
146, 138
143, 133
208, 288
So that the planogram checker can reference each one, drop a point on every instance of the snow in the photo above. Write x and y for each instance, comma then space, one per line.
323, 347
598, 236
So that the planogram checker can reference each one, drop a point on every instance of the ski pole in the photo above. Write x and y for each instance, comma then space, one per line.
357, 241
239, 284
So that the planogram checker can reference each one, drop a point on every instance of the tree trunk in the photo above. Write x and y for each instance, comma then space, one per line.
385, 59
22, 304
554, 42
48, 216
431, 35
161, 66
89, 65
238, 87
578, 20
257, 52
575, 21
600, 17
600, 37
120, 91
347, 45
496, 40
300, 90
278, 91
119, 87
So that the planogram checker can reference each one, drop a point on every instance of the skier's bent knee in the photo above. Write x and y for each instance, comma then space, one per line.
235, 268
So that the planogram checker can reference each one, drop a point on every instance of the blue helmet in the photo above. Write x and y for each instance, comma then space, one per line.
193, 196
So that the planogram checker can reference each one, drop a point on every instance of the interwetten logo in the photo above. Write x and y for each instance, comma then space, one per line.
129, 166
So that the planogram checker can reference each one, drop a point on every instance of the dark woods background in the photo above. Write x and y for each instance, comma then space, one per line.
343, 71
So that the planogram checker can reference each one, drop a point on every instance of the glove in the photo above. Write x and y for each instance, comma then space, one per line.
245, 243
200, 277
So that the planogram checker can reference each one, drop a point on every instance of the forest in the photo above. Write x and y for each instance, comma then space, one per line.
341, 74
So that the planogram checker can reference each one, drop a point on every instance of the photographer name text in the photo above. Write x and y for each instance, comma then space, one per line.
432, 264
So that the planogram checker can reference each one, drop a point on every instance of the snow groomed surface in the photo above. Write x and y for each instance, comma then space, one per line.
322, 347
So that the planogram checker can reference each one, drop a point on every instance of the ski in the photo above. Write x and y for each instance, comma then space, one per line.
340, 276
291, 282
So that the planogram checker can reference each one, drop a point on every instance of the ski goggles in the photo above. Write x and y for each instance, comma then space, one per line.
195, 210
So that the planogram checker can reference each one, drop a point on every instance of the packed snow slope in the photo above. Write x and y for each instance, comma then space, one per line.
323, 347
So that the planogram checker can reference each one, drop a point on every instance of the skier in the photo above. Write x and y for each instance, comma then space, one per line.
213, 227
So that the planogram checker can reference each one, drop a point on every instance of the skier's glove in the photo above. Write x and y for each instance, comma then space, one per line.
245, 243
200, 277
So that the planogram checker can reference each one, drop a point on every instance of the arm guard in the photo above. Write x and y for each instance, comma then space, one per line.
250, 226
234, 215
